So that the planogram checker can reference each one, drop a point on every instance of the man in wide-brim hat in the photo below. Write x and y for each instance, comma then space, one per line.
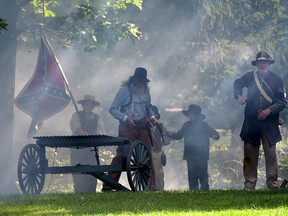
265, 99
262, 57
131, 107
85, 122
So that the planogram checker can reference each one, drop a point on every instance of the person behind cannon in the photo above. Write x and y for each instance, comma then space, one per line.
131, 107
160, 139
196, 133
85, 122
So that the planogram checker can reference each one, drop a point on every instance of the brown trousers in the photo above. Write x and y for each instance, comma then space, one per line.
133, 134
251, 154
159, 172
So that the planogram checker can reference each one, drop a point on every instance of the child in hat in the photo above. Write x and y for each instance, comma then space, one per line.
196, 133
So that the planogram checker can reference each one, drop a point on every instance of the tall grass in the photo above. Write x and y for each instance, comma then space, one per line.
215, 202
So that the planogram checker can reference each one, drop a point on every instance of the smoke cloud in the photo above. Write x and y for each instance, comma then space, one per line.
100, 73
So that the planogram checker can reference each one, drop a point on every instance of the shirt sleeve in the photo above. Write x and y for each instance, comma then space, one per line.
100, 127
75, 123
212, 132
150, 110
122, 98
280, 101
239, 84
179, 134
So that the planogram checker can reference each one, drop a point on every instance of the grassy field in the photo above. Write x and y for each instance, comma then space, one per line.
224, 202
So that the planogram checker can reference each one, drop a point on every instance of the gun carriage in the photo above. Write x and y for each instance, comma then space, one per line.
33, 163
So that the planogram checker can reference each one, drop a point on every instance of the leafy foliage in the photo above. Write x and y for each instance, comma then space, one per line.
3, 24
91, 23
220, 48
41, 7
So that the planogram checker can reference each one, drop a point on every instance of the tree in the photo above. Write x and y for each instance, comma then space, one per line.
25, 25
8, 45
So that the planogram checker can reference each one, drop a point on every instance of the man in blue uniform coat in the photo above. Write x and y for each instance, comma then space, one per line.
265, 99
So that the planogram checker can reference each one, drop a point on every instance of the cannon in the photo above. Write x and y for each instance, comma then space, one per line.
136, 161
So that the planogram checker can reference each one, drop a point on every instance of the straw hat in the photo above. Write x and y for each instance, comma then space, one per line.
89, 98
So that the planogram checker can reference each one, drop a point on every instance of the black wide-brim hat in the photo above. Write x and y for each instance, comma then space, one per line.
140, 75
89, 98
195, 110
262, 56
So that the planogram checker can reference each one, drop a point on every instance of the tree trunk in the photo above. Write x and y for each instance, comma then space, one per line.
8, 46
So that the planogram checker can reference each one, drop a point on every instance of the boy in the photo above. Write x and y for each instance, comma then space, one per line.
196, 134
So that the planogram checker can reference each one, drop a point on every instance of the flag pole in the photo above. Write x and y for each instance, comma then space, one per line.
62, 73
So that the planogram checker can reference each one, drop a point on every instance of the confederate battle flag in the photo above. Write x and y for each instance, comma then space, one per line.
45, 93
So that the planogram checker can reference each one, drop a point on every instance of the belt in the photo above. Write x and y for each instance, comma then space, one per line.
139, 125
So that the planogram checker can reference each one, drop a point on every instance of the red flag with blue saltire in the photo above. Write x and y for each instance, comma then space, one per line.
45, 93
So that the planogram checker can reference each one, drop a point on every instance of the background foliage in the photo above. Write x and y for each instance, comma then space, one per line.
3, 24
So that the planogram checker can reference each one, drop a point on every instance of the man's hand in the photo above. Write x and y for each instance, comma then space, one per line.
153, 121
170, 133
241, 100
263, 115
130, 122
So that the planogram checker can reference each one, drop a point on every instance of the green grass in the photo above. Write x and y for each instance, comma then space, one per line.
225, 202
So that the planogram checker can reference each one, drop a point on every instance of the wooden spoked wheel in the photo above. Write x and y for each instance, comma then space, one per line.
139, 166
31, 181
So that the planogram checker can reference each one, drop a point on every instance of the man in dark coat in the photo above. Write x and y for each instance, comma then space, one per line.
265, 99
196, 133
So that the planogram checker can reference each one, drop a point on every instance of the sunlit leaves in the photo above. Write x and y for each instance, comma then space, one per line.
41, 6
95, 23
133, 31
122, 4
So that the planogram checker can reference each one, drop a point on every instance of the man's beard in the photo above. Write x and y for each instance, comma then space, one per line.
265, 70
139, 89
